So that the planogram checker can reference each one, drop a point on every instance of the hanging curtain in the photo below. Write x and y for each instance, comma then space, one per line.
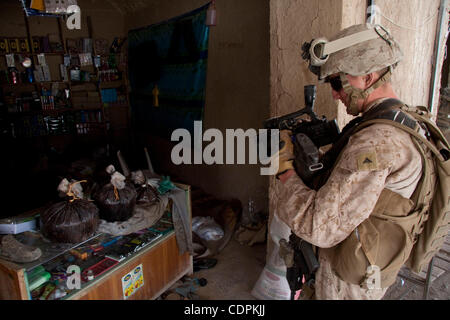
172, 57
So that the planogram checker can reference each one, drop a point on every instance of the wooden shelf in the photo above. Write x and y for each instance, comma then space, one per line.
111, 84
73, 86
80, 83
87, 108
31, 112
22, 84
35, 54
56, 110
47, 82
18, 84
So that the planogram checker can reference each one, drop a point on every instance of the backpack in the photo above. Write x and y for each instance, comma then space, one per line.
434, 201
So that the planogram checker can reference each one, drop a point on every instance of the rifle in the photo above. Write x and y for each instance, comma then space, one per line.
307, 138
301, 262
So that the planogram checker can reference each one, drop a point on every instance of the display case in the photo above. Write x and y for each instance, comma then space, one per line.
141, 265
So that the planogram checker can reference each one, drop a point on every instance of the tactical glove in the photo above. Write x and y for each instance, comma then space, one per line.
286, 153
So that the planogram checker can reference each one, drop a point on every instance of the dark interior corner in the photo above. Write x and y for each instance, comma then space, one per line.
35, 163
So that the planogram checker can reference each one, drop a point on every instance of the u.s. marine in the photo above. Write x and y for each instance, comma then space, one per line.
376, 173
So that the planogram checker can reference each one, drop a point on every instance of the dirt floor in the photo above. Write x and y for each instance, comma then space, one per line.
239, 266
237, 270
410, 286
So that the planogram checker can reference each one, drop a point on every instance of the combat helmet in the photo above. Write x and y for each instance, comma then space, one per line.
356, 50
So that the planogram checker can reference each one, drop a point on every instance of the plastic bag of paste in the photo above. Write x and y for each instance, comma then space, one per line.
145, 192
206, 228
71, 221
117, 199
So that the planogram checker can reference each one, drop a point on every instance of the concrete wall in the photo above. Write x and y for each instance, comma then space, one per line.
237, 90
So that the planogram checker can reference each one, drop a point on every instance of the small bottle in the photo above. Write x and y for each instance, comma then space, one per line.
90, 275
155, 93
30, 75
251, 207
14, 75
211, 17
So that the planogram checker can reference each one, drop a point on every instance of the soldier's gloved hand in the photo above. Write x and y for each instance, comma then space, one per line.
286, 153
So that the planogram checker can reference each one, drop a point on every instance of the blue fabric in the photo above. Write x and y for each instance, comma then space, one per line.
109, 95
173, 56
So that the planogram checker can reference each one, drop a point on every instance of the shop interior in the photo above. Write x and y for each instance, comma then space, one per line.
95, 205
89, 99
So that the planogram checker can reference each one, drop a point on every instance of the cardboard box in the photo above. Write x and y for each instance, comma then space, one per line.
46, 72
16, 227
14, 45
23, 45
38, 74
87, 45
10, 61
36, 44
21, 223
4, 45
63, 71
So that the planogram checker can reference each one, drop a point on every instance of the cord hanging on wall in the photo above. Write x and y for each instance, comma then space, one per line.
211, 17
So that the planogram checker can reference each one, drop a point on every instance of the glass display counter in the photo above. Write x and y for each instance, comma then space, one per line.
140, 265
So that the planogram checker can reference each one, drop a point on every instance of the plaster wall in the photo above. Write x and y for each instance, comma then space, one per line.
293, 22
415, 25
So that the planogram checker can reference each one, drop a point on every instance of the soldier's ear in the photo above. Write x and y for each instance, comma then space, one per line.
369, 79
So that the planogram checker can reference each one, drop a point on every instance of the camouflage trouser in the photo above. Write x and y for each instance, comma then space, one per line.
329, 286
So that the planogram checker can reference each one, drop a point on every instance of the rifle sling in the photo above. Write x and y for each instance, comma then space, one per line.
383, 113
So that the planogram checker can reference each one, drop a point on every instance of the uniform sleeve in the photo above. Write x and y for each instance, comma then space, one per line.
328, 216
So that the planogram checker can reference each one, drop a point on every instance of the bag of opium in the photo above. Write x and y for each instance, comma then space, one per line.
73, 220
146, 194
117, 199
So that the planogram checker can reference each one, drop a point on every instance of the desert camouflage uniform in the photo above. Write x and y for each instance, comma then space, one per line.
328, 216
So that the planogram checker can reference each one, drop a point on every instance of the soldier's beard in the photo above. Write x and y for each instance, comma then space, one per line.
352, 106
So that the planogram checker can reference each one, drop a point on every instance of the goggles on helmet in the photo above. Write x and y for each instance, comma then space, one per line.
335, 82
318, 50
